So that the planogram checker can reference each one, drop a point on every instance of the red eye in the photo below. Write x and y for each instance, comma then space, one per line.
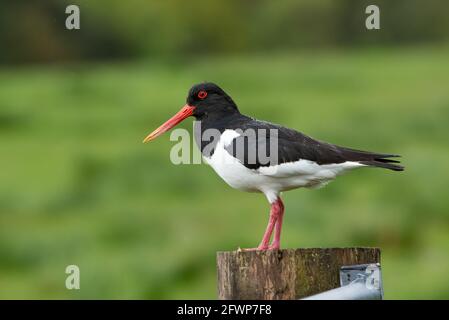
202, 94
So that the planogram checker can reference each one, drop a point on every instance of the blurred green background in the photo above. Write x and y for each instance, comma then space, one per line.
77, 186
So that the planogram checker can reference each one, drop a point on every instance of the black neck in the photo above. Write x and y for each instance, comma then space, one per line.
221, 120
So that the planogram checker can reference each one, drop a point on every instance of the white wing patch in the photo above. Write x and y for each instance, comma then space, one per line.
308, 168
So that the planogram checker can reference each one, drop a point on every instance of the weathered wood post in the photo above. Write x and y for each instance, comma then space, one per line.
285, 274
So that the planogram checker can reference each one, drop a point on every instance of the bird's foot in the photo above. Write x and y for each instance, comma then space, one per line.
274, 246
259, 248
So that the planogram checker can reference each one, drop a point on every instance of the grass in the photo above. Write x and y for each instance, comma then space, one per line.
78, 187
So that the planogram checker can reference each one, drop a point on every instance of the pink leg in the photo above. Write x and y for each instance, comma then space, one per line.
276, 212
277, 231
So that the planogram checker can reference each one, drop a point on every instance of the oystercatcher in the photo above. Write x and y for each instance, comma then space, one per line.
289, 159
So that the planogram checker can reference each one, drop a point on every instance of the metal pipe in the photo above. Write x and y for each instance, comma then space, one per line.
353, 291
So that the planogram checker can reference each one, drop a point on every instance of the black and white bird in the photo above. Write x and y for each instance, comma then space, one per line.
289, 159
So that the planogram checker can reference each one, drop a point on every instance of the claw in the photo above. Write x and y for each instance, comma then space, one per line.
274, 246
259, 248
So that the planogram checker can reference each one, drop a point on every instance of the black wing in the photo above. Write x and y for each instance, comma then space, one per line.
258, 149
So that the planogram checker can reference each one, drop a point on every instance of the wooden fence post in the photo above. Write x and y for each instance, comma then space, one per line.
285, 274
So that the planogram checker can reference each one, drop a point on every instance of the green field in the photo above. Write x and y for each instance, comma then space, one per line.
77, 186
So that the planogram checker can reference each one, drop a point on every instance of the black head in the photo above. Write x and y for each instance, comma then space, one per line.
210, 101
205, 101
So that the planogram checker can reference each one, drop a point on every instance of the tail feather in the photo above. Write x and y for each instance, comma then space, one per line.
380, 160
383, 164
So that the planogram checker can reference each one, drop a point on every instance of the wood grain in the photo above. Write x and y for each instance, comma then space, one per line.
285, 274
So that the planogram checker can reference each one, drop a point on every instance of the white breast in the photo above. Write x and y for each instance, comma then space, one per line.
231, 169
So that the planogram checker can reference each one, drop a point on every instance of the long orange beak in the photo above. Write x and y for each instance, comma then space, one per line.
185, 112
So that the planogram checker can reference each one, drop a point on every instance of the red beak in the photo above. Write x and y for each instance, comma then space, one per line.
185, 112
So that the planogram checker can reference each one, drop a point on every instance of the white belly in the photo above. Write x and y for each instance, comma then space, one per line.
271, 180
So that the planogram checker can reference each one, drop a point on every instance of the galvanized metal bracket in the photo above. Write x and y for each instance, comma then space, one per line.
358, 282
369, 274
